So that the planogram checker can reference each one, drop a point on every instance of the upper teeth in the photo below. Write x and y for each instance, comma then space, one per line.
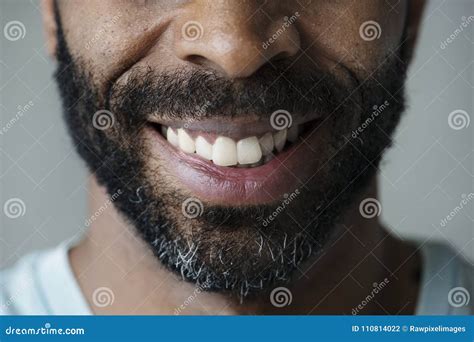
226, 152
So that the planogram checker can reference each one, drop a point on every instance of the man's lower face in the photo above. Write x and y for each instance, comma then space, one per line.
226, 194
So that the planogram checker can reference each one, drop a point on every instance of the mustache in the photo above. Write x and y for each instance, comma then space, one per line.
200, 94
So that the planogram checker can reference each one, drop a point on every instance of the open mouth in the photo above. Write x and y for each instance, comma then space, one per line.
236, 163
247, 152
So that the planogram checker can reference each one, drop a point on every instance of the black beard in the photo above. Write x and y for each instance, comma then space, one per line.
231, 248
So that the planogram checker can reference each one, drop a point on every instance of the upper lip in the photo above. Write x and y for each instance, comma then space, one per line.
231, 127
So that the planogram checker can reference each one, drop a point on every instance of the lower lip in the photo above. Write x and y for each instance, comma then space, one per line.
214, 184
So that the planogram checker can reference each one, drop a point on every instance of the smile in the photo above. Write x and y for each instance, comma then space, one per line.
251, 151
235, 163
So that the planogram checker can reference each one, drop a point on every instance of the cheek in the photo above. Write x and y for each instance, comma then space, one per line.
360, 34
111, 36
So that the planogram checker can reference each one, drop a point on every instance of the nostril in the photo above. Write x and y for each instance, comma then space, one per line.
281, 56
205, 63
196, 59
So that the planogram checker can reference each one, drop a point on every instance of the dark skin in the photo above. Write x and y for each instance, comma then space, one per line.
148, 33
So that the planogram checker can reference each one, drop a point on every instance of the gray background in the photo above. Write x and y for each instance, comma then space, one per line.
422, 178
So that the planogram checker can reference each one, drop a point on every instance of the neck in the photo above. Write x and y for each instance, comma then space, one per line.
336, 281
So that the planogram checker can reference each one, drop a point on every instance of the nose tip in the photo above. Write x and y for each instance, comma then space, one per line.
237, 51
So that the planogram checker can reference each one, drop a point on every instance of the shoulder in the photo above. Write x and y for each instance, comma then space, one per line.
20, 288
447, 283
39, 283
